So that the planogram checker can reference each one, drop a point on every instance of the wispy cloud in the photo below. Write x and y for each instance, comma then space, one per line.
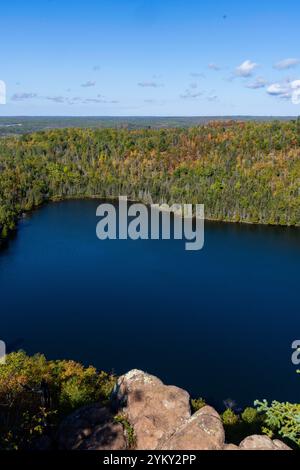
88, 84
213, 66
99, 100
246, 69
189, 95
193, 85
57, 99
150, 84
92, 100
23, 96
259, 82
286, 64
289, 90
96, 68
60, 99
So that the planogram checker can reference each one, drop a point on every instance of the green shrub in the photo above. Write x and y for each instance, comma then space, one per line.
267, 431
36, 393
76, 385
229, 417
197, 404
249, 415
282, 418
237, 427
130, 435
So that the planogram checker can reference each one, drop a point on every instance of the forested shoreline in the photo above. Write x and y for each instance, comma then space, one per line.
241, 171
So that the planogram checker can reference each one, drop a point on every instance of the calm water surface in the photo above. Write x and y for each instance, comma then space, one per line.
218, 322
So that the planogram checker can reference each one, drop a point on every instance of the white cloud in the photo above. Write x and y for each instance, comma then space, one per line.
286, 64
246, 68
2, 92
259, 82
296, 97
295, 86
277, 89
287, 90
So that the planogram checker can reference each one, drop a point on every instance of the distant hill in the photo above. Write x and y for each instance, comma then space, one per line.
26, 124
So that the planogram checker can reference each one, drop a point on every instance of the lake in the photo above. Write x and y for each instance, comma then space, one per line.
218, 322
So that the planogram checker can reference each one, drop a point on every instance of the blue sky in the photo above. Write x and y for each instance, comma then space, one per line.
154, 57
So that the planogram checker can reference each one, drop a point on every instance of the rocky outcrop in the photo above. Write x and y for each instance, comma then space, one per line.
91, 427
153, 409
156, 416
259, 442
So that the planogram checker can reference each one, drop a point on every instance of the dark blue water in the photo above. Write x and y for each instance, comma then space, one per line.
218, 322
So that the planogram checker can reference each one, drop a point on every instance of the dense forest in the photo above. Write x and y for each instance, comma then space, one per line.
241, 171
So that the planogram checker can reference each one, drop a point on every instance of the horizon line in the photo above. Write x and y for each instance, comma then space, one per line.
149, 116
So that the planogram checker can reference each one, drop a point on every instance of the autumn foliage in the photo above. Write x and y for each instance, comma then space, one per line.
241, 171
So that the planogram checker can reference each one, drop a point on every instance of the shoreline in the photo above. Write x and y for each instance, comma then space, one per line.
54, 200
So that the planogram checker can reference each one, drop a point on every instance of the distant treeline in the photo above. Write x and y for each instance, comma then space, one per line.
26, 124
241, 171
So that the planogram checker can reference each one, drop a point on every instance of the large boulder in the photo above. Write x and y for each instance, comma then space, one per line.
91, 427
260, 442
153, 409
203, 431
